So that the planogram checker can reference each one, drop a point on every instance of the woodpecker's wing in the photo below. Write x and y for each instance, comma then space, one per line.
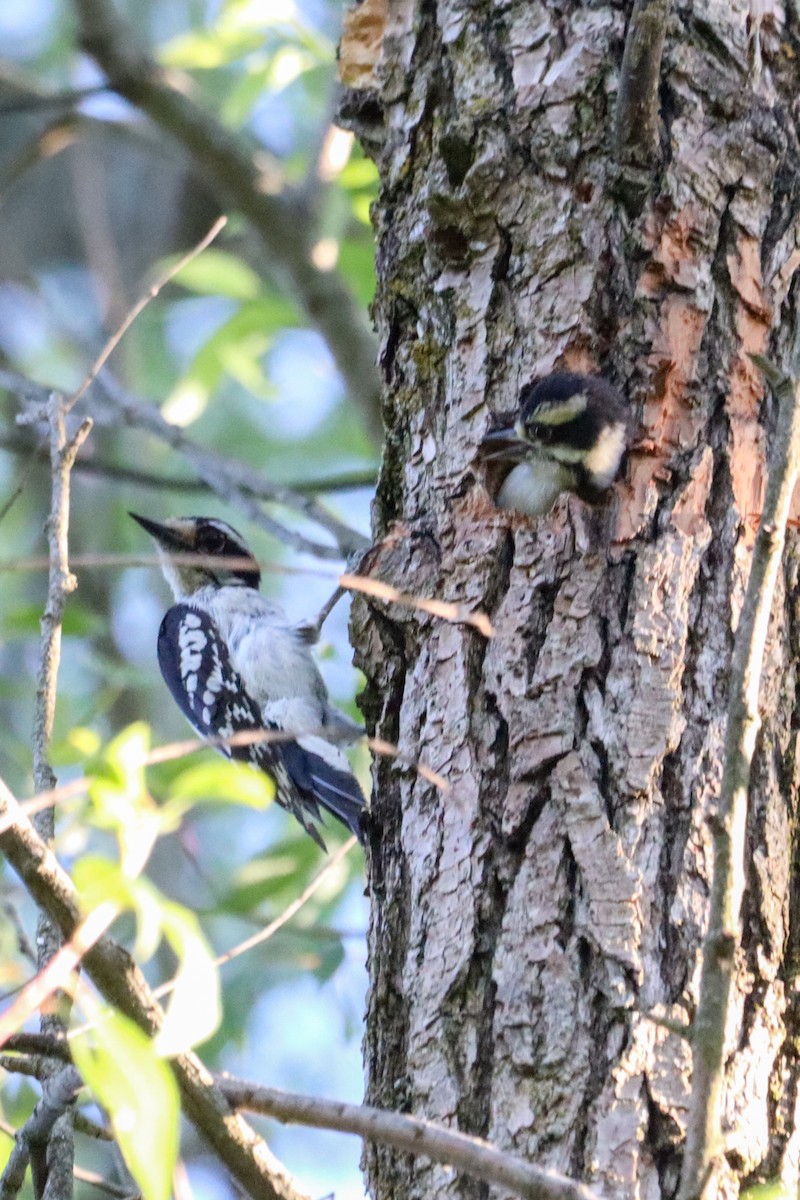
197, 669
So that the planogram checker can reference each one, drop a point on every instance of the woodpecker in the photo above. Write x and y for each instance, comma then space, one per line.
570, 436
234, 662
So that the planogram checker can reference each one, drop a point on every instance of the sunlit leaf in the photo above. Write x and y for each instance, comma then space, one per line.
119, 1064
276, 876
219, 273
121, 799
770, 1191
359, 174
206, 50
193, 1010
287, 65
220, 781
23, 621
236, 348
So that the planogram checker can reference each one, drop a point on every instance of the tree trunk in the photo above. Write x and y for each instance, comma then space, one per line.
529, 923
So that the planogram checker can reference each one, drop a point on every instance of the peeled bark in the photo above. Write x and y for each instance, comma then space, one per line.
528, 924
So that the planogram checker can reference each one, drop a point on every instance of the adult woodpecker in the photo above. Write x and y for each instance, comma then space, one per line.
235, 663
570, 436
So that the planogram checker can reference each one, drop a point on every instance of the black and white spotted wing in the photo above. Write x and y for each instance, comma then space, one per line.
196, 667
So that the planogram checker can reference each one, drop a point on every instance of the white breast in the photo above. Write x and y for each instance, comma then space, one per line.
275, 664
533, 487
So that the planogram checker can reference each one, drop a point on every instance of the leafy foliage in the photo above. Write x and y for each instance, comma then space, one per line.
192, 851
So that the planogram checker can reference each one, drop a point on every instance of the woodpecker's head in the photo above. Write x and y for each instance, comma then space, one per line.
198, 552
578, 423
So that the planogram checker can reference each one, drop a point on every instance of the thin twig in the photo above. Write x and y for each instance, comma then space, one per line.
268, 931
56, 974
52, 1158
233, 173
343, 481
175, 750
34, 101
118, 1190
141, 303
232, 481
438, 608
23, 941
704, 1138
236, 482
470, 1155
122, 984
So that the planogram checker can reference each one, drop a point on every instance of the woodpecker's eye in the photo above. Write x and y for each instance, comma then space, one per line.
211, 540
540, 433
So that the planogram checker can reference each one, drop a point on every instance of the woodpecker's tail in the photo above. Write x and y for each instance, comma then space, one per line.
322, 775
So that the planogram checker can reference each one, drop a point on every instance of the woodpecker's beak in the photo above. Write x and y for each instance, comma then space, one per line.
505, 444
165, 535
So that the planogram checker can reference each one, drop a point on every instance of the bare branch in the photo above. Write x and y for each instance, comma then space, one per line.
122, 984
21, 1064
363, 477
704, 1139
236, 482
51, 1045
140, 305
636, 135
49, 1146
636, 132
438, 608
31, 101
61, 583
470, 1155
232, 481
232, 172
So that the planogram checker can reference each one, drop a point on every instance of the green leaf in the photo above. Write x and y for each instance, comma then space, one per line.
207, 50
23, 621
769, 1191
194, 1010
119, 1064
236, 348
222, 782
220, 273
121, 798
276, 876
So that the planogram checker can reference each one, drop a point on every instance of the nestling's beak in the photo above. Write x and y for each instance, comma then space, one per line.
165, 535
505, 444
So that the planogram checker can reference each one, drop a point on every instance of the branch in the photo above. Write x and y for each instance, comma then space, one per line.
704, 1129
49, 1145
232, 481
359, 477
636, 135
232, 172
33, 1142
471, 1155
140, 305
236, 482
122, 984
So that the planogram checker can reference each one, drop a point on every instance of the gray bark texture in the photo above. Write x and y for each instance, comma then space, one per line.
528, 924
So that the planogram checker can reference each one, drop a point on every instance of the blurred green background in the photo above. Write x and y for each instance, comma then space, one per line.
93, 201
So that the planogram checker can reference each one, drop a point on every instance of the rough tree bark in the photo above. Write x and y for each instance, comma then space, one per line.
527, 925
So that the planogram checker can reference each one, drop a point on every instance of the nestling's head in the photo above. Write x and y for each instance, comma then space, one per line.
196, 552
571, 434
